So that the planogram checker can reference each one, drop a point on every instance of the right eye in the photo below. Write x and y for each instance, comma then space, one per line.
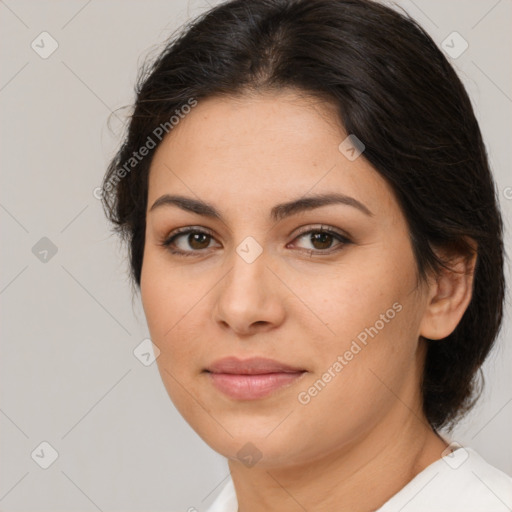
187, 241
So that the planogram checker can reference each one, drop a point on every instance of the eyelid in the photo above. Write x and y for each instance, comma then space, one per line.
188, 229
323, 227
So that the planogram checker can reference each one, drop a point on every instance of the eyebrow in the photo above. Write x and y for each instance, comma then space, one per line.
278, 212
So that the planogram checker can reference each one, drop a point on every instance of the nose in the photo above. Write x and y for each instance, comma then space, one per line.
250, 298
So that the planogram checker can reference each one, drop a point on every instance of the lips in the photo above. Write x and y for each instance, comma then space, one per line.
252, 366
251, 379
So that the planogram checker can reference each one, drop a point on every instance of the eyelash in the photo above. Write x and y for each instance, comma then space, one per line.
169, 241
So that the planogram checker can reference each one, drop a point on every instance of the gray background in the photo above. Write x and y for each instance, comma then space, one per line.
69, 326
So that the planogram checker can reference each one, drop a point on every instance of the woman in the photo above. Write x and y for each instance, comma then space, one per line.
314, 230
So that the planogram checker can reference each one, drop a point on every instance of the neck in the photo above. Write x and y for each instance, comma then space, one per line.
360, 477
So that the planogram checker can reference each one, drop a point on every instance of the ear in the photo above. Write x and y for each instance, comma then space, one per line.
449, 293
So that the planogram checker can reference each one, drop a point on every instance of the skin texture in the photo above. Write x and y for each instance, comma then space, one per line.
244, 155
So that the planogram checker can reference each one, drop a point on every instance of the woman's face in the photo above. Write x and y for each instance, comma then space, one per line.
338, 312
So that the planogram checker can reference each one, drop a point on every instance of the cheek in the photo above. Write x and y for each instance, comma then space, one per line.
348, 299
166, 295
174, 312
371, 315
174, 306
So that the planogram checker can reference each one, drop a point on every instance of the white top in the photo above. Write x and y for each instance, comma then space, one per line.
459, 482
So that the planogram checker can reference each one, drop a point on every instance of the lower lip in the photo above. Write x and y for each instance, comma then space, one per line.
252, 387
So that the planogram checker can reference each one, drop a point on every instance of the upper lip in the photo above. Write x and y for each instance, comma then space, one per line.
251, 366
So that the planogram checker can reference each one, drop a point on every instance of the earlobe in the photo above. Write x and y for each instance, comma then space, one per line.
449, 295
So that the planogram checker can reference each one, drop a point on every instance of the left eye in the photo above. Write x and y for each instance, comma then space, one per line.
322, 239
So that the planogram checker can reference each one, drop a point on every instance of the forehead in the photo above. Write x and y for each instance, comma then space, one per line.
280, 125
273, 145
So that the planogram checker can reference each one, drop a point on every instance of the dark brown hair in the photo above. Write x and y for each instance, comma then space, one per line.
396, 91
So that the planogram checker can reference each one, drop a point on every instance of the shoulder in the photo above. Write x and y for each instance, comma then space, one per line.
226, 500
460, 482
